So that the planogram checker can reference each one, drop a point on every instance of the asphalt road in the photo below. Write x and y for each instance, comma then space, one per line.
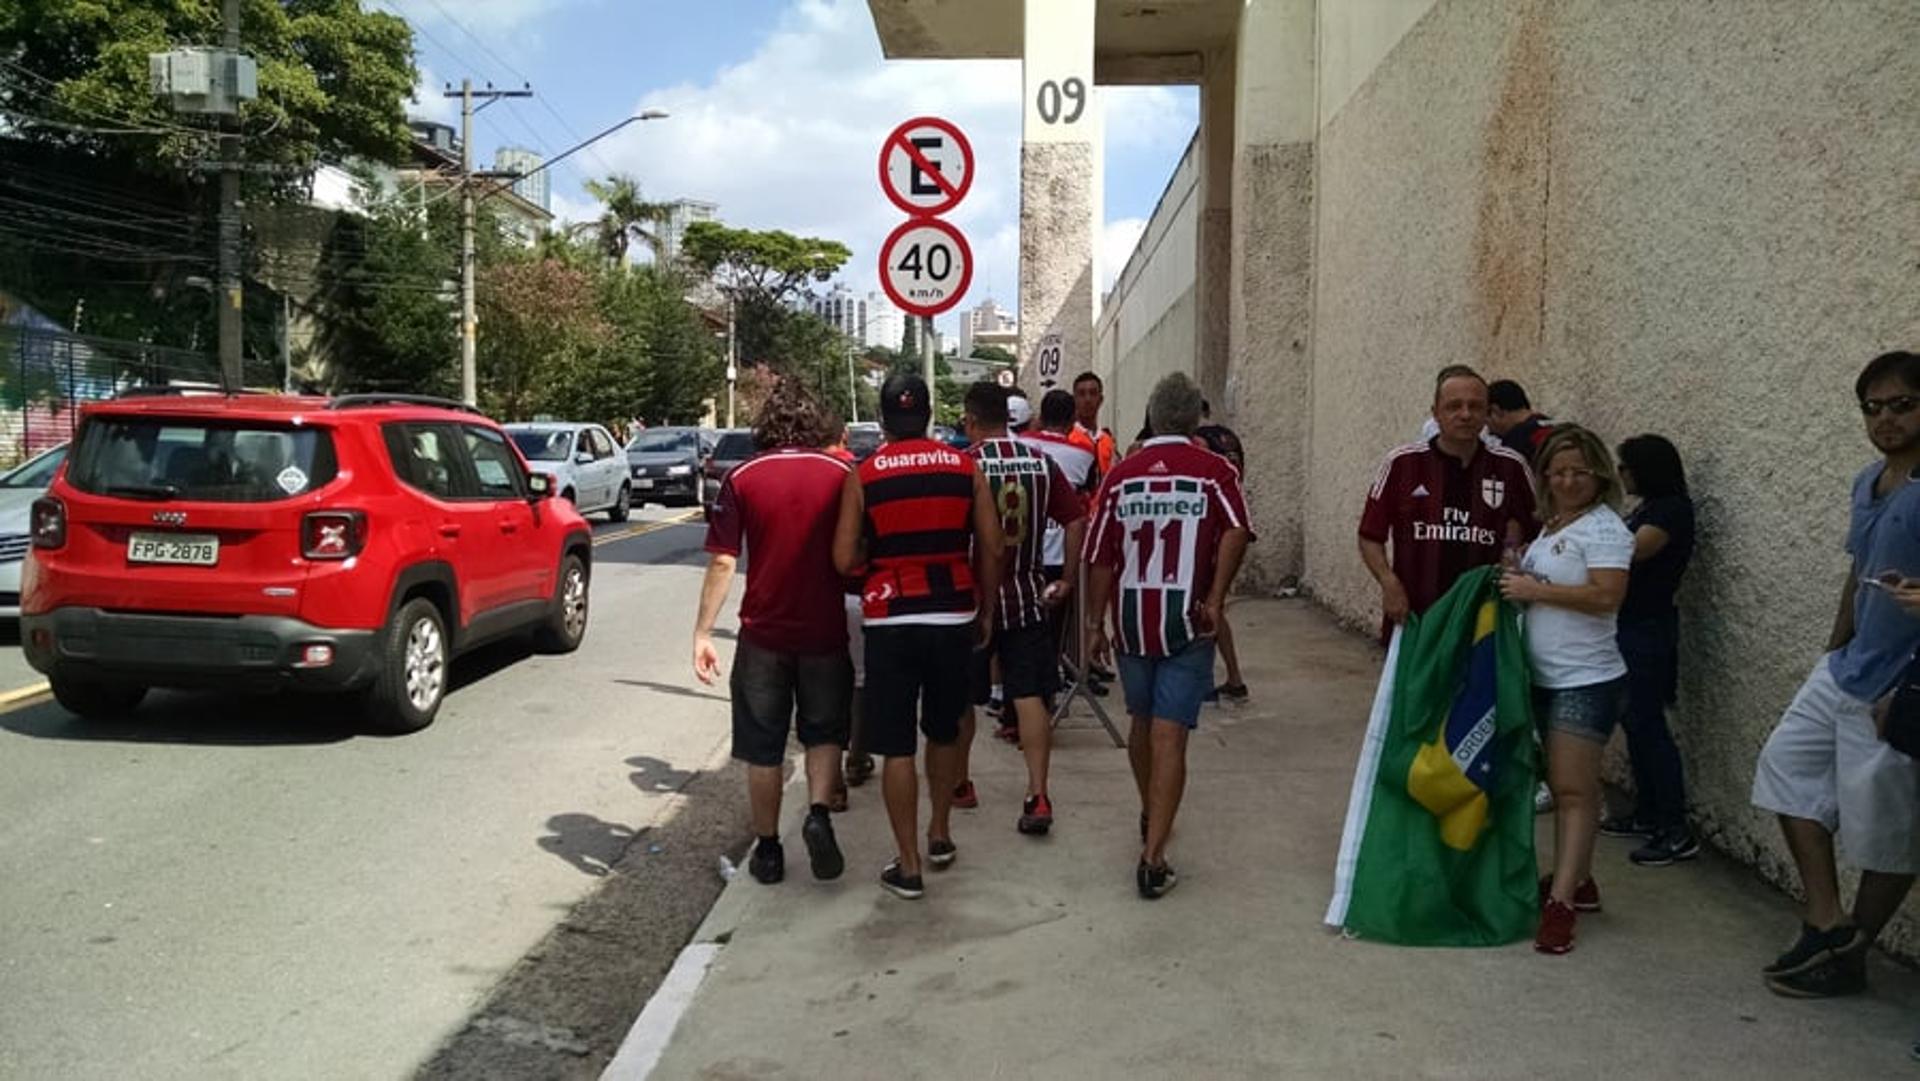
244, 887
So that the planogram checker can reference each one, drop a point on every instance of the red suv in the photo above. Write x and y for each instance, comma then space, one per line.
259, 542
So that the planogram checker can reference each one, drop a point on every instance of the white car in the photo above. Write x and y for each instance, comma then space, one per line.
18, 490
585, 463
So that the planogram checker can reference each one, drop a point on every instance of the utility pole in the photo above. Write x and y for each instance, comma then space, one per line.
469, 380
733, 363
232, 294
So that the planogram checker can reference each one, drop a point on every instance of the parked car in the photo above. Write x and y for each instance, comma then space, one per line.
952, 437
862, 440
18, 489
584, 462
735, 445
263, 542
665, 463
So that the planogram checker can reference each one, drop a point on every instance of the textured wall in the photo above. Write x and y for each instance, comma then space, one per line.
1148, 324
1058, 194
1696, 219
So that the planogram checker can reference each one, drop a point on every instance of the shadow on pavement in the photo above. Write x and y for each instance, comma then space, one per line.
672, 688
652, 775
591, 844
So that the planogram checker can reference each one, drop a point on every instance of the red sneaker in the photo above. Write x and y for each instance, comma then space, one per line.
1036, 816
1008, 733
964, 796
1585, 899
1556, 928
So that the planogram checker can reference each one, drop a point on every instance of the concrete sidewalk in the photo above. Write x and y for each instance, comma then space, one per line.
1035, 958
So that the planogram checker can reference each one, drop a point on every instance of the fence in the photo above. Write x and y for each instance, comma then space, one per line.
47, 375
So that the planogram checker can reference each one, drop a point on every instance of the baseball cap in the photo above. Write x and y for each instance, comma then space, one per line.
1019, 412
905, 395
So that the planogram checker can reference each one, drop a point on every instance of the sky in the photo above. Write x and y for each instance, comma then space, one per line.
778, 111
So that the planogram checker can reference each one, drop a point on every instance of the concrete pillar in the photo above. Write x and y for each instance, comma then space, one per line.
1059, 191
1270, 321
1213, 242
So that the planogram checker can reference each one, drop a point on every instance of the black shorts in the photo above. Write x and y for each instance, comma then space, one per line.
915, 671
767, 686
1029, 664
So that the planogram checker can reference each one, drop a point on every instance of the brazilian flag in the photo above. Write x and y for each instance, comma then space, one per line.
1438, 847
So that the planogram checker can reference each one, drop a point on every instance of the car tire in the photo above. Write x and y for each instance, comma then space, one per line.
622, 506
415, 663
97, 700
566, 623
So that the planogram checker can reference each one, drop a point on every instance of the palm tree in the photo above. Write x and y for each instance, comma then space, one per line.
627, 217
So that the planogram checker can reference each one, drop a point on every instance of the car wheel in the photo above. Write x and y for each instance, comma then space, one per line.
97, 700
569, 496
414, 668
566, 625
622, 506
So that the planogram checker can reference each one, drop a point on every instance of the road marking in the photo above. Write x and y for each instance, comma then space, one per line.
643, 530
25, 696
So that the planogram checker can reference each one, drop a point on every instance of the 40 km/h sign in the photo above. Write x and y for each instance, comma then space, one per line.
926, 266
926, 166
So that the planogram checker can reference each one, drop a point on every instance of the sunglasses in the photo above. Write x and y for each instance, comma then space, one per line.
1899, 406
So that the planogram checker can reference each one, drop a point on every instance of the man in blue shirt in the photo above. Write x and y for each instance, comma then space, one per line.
1825, 771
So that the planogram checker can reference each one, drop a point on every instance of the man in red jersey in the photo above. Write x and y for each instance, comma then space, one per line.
784, 503
1168, 535
918, 521
1029, 493
1448, 505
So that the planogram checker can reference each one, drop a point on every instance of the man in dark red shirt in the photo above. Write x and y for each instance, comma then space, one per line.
1029, 494
918, 521
784, 504
1447, 505
1169, 531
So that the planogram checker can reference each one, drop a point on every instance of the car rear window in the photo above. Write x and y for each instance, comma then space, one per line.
548, 446
734, 446
662, 441
206, 461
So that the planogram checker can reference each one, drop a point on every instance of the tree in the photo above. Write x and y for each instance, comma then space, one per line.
626, 217
767, 268
541, 351
994, 353
334, 79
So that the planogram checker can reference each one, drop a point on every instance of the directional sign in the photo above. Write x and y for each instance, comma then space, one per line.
926, 266
1046, 359
926, 166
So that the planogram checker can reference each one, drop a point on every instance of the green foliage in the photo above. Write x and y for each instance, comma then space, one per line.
994, 353
625, 218
766, 268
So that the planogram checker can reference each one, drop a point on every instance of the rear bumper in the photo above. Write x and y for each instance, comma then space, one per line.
239, 653
644, 487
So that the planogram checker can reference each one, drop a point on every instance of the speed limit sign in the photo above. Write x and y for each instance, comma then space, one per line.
926, 266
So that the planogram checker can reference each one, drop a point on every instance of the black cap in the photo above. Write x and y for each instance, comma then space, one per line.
905, 396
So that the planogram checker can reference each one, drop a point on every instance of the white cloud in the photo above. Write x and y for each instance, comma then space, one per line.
429, 103
1117, 242
1137, 117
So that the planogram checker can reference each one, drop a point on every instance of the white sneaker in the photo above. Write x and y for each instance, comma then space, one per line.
1542, 799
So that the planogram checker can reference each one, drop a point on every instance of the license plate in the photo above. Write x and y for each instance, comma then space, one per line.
191, 549
645, 484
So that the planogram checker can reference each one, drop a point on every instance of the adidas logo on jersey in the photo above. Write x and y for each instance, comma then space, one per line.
1157, 467
1420, 492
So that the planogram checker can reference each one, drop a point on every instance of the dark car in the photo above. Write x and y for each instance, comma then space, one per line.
863, 440
734, 446
664, 464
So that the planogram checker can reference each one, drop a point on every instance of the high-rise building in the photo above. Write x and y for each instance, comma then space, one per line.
886, 323
680, 214
986, 324
535, 189
845, 310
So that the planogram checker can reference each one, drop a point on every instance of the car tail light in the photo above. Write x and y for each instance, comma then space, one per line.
315, 655
49, 523
333, 534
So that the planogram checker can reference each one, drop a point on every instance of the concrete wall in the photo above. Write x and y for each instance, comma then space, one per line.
1694, 219
1147, 325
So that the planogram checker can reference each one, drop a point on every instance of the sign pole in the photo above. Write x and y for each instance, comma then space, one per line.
926, 357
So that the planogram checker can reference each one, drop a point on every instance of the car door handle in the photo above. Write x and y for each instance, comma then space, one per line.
449, 531
509, 527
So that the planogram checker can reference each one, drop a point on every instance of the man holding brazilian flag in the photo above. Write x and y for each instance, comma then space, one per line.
1438, 846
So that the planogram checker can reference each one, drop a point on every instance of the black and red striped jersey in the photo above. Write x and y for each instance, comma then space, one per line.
919, 529
1160, 517
1029, 492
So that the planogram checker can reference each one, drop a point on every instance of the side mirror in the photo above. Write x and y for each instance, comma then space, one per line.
539, 486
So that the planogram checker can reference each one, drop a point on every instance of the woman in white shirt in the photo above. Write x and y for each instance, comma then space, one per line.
1573, 578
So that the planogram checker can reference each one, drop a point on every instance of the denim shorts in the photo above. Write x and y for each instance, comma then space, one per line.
1168, 688
1589, 712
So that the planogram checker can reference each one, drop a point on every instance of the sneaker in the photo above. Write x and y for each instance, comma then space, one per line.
1556, 928
942, 853
769, 862
1233, 693
1667, 846
965, 797
822, 850
1036, 816
1008, 733
1096, 687
1585, 899
1811, 948
901, 884
1625, 826
995, 707
859, 769
1155, 882
1542, 799
1843, 972
1102, 673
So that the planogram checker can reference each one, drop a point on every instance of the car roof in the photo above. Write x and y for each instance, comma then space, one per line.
275, 408
548, 426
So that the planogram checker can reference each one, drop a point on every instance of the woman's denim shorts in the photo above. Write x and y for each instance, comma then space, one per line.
1589, 712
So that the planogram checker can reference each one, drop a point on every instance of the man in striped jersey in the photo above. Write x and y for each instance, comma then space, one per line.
1168, 534
1029, 492
918, 522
